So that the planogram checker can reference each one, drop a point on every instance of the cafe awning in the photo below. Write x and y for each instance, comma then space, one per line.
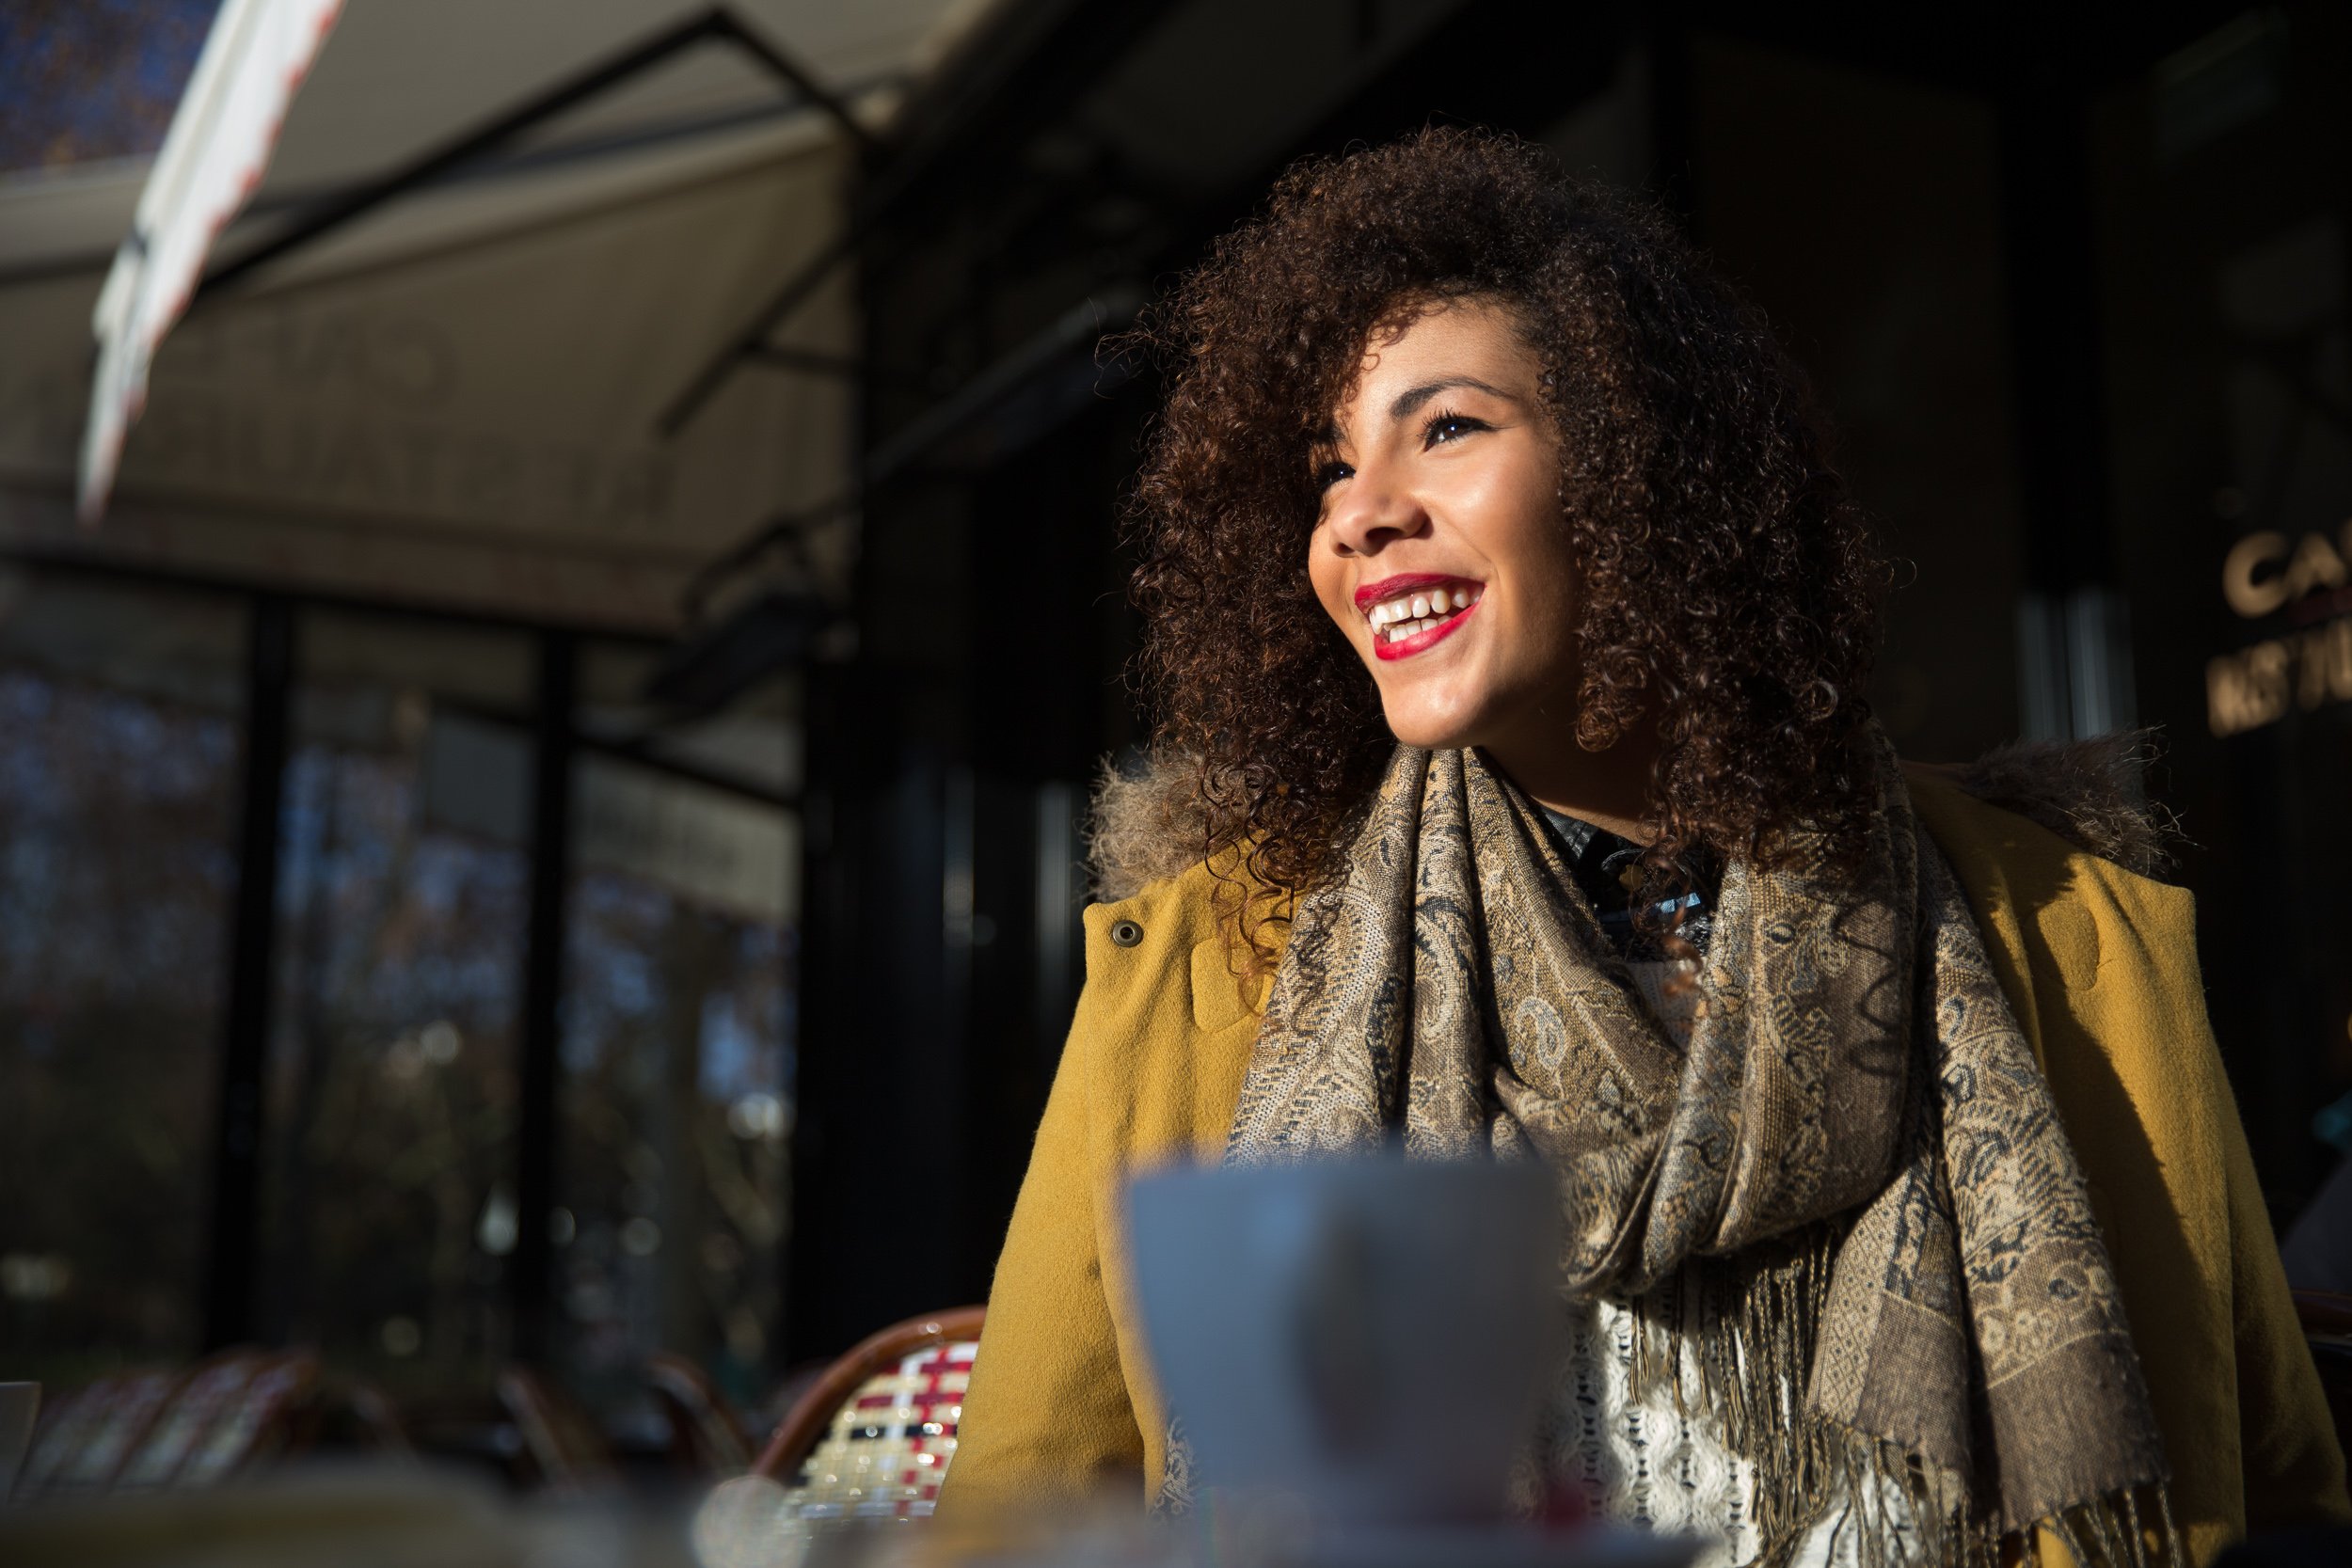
455, 398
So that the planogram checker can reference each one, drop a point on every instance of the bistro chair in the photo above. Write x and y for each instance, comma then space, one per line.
84, 1438
269, 1416
233, 1412
872, 1438
561, 1445
165, 1428
704, 1434
359, 1414
200, 1403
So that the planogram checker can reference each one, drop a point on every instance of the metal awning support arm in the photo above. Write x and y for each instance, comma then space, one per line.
724, 24
752, 341
717, 24
1106, 310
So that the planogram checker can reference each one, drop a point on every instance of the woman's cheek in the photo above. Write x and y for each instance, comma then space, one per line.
1329, 597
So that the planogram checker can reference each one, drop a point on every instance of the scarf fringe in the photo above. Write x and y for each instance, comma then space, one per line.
1735, 1338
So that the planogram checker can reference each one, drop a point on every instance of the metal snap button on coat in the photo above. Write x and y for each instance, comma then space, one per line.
1126, 933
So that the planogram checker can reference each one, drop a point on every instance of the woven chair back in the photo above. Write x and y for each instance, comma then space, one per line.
873, 1438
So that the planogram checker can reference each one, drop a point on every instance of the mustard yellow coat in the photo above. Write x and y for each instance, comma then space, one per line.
2100, 968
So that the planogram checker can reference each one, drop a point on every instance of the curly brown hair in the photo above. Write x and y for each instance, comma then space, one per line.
1731, 588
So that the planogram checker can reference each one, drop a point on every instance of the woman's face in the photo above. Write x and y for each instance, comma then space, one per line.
1440, 549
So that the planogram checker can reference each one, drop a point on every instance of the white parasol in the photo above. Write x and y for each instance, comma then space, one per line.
253, 61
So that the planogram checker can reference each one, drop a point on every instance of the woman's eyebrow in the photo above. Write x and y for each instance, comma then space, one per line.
1413, 397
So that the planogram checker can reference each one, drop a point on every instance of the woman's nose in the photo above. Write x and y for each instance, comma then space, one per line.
1370, 513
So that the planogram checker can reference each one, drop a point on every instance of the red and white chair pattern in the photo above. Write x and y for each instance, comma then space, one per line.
874, 1437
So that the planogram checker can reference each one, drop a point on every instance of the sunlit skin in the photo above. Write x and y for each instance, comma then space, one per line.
1441, 478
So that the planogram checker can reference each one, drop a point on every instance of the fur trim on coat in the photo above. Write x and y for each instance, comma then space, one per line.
1147, 824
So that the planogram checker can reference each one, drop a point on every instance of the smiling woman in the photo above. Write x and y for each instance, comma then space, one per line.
1515, 797
1440, 345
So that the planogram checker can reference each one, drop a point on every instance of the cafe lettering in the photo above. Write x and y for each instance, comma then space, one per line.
2307, 667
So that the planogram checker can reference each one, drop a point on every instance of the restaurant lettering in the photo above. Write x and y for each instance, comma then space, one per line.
2306, 668
389, 361
2256, 685
2268, 571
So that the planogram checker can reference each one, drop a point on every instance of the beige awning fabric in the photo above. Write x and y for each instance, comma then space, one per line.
453, 401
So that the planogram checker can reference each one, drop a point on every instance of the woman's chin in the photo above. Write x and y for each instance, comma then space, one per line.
1431, 731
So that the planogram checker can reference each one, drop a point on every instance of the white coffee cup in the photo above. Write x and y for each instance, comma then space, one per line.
20, 1404
1367, 1336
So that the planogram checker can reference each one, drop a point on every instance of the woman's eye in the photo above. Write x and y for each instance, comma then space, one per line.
1449, 427
1330, 474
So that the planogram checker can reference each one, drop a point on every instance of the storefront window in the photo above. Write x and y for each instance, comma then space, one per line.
678, 1025
118, 780
388, 1203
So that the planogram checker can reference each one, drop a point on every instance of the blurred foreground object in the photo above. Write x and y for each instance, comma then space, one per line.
1226, 1532
1365, 1336
254, 59
380, 1517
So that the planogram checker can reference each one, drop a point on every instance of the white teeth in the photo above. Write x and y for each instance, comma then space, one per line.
1395, 620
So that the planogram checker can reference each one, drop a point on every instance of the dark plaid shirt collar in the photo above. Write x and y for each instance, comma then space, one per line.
1602, 863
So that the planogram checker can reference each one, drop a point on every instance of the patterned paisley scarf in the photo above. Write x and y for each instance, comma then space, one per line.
1855, 1140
